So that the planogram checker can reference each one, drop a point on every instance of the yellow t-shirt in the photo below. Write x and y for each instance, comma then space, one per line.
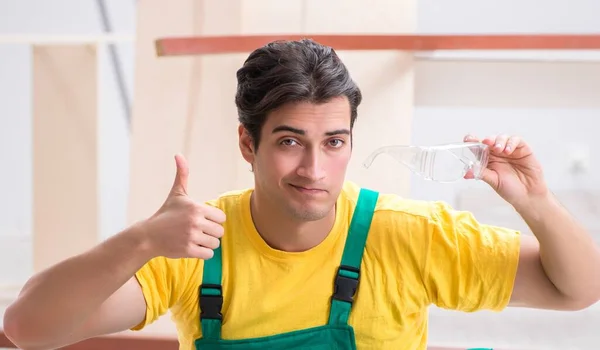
417, 253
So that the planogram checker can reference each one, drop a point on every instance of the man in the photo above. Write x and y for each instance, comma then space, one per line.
273, 252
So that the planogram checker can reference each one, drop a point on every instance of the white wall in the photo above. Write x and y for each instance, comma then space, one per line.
508, 16
557, 130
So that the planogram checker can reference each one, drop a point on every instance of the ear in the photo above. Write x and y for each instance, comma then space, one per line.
246, 145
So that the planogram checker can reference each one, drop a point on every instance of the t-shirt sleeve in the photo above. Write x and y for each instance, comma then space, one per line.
164, 282
469, 266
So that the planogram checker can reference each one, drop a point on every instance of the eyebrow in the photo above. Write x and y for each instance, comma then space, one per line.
283, 128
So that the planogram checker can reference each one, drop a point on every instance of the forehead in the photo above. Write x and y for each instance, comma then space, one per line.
334, 114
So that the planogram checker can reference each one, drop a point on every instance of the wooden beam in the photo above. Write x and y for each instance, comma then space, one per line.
135, 343
116, 342
205, 45
65, 118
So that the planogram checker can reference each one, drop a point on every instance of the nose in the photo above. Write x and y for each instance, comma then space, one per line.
311, 166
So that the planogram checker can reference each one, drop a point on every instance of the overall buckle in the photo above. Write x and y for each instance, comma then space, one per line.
210, 303
345, 284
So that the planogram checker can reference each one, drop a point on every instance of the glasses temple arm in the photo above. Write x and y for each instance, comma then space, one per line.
371, 157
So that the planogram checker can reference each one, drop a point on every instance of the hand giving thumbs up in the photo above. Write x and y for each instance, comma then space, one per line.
182, 228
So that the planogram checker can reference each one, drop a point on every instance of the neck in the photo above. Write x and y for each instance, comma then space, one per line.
283, 232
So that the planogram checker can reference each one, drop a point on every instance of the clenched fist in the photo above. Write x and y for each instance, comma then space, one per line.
182, 228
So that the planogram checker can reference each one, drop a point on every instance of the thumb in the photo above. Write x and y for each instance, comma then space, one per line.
181, 177
490, 177
487, 175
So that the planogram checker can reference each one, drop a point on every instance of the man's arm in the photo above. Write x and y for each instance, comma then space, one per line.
85, 296
561, 269
96, 292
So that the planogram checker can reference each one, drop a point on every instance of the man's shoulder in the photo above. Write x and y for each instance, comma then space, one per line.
230, 198
393, 204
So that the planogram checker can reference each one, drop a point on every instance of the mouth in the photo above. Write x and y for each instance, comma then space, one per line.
308, 190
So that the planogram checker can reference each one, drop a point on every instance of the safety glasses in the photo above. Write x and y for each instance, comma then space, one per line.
443, 163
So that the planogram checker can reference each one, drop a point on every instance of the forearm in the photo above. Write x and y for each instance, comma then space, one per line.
568, 254
61, 298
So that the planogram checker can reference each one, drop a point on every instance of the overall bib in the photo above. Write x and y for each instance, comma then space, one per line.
336, 334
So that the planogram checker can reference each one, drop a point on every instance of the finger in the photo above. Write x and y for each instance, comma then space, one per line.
199, 252
500, 143
211, 228
181, 176
486, 175
207, 241
213, 214
476, 151
489, 140
470, 138
512, 144
490, 177
469, 175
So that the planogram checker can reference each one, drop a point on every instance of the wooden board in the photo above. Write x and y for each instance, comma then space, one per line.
204, 45
65, 194
139, 343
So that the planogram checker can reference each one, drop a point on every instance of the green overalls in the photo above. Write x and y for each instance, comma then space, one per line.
337, 334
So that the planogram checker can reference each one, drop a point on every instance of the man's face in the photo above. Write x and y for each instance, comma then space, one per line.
302, 157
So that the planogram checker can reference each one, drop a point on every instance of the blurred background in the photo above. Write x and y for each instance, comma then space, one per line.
91, 116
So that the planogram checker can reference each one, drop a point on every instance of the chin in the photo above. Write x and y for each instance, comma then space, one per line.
309, 215
311, 212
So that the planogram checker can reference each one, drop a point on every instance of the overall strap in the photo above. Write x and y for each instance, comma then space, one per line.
348, 274
211, 297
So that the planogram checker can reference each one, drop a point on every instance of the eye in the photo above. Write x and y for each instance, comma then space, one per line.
288, 142
336, 143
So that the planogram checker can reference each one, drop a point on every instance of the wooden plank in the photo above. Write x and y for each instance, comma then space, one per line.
137, 343
65, 198
112, 343
204, 45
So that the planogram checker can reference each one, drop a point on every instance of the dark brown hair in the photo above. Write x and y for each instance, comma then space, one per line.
290, 71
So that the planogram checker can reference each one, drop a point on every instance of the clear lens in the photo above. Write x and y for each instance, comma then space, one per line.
445, 166
453, 162
450, 163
